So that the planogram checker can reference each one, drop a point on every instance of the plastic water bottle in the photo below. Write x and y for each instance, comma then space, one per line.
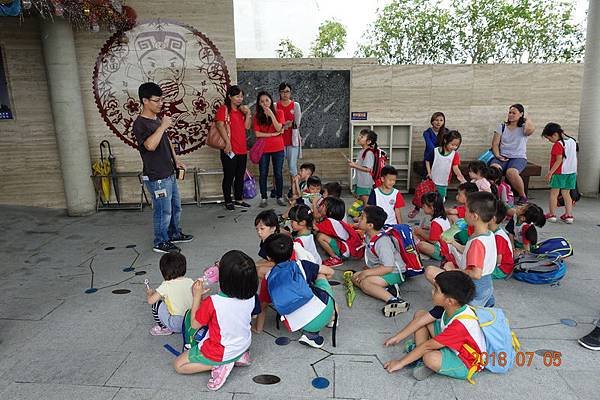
459, 225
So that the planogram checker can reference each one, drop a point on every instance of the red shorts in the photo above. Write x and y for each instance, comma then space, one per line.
263, 292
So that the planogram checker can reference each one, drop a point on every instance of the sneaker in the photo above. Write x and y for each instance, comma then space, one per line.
244, 360
421, 372
550, 218
394, 307
567, 218
263, 203
333, 262
165, 247
158, 330
312, 340
241, 204
591, 340
229, 207
182, 238
413, 213
273, 194
394, 290
218, 376
522, 200
281, 202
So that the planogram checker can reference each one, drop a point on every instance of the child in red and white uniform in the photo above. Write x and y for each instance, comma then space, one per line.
227, 317
445, 161
457, 342
505, 262
521, 228
428, 241
302, 223
388, 197
562, 175
459, 210
335, 236
478, 257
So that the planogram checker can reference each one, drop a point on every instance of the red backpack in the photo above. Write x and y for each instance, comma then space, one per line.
403, 240
355, 244
381, 160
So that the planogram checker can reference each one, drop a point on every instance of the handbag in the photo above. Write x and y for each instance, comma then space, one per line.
488, 155
422, 188
249, 186
214, 138
257, 150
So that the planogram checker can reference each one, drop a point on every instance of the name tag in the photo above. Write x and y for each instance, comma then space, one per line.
160, 193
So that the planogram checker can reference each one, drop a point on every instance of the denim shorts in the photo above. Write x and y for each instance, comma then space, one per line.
517, 163
484, 292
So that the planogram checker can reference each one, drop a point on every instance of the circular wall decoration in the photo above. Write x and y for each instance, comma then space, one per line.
183, 61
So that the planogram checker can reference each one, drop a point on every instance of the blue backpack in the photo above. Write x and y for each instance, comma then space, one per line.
555, 245
539, 269
288, 287
499, 339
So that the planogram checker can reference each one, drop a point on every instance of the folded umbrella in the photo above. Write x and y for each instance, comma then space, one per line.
113, 169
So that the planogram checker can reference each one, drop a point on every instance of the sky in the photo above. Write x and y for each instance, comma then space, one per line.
261, 24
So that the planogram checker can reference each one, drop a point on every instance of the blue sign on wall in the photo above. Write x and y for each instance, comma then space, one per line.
358, 116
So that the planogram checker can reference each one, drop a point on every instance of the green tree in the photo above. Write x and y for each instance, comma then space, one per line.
287, 49
330, 41
475, 31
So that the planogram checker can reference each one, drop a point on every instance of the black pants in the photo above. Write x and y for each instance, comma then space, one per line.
233, 174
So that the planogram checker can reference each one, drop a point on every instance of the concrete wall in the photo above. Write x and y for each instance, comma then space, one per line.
474, 98
29, 157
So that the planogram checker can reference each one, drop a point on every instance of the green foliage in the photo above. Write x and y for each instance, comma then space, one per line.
287, 49
330, 41
475, 31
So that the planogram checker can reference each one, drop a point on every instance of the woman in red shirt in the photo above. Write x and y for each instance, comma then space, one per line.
233, 157
268, 126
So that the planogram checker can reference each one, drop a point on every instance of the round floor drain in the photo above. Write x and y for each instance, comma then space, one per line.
121, 291
140, 273
266, 379
244, 211
91, 290
543, 352
282, 341
131, 246
109, 248
334, 283
320, 383
128, 268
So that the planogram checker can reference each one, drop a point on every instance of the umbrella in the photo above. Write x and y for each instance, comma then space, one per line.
350, 293
113, 170
102, 168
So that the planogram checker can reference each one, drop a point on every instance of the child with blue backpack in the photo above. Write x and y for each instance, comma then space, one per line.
448, 338
383, 275
299, 290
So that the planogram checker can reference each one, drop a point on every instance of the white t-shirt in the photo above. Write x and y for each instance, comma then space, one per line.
441, 170
308, 243
569, 164
480, 251
366, 158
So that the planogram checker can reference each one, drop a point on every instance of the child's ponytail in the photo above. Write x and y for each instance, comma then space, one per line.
551, 128
436, 202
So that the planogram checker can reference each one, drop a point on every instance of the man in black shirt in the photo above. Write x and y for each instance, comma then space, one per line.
160, 162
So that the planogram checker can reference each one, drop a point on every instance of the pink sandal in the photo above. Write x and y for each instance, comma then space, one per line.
244, 360
218, 376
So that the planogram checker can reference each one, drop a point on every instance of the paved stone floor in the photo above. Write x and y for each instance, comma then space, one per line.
57, 342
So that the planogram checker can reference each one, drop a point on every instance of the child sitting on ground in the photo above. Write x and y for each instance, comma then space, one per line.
315, 313
383, 275
388, 197
478, 257
478, 171
311, 193
226, 316
521, 229
172, 298
443, 334
330, 189
300, 181
302, 223
335, 236
459, 210
429, 240
504, 262
505, 193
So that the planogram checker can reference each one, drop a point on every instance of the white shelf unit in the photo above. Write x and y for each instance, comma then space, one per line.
393, 138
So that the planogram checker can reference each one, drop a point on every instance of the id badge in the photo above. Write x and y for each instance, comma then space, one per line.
160, 193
